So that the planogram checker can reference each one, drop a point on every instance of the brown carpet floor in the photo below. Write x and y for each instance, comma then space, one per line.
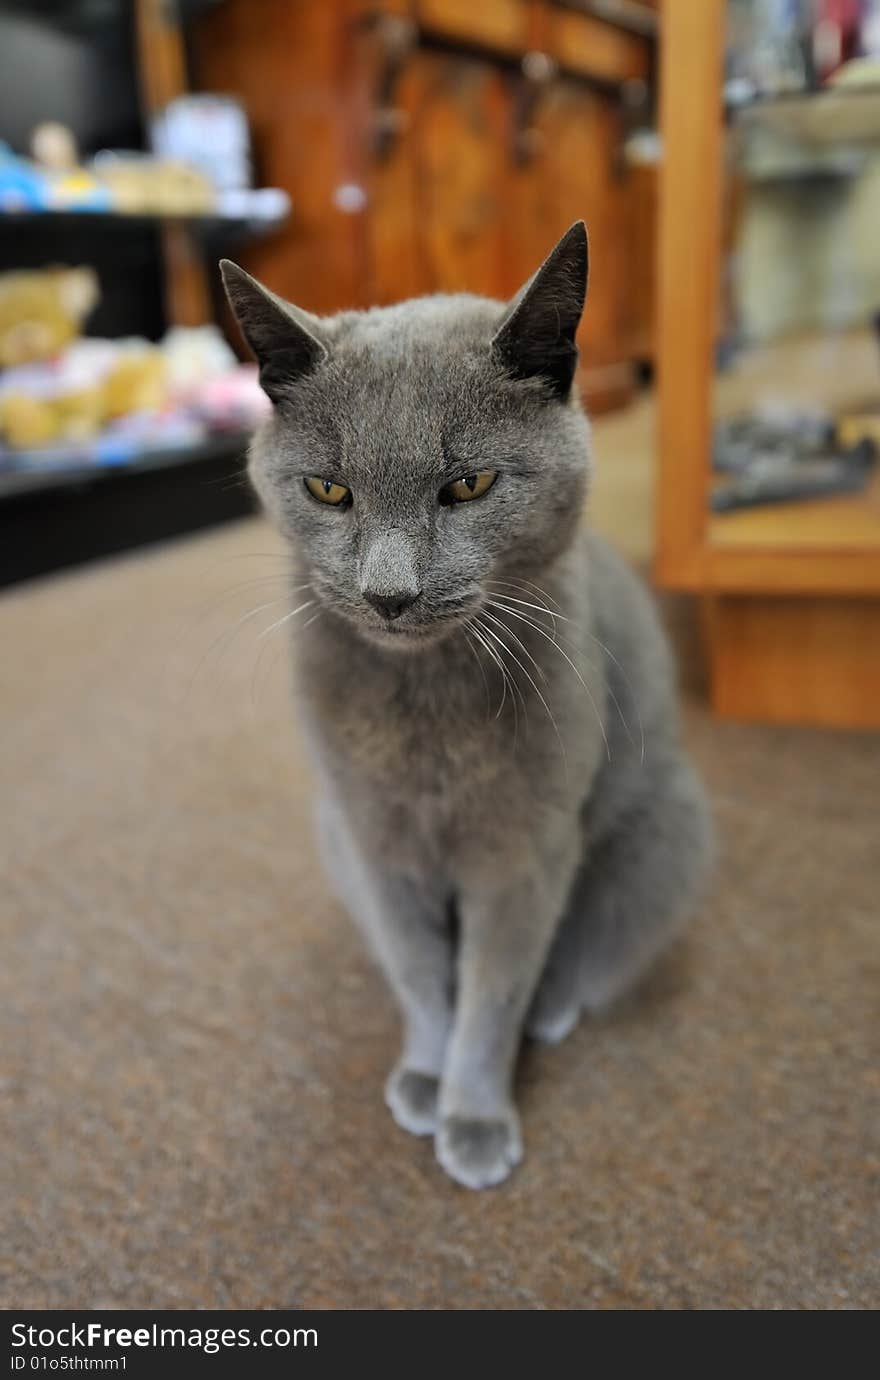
194, 1044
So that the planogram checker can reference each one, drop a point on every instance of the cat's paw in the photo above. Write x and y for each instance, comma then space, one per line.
551, 1026
479, 1152
412, 1100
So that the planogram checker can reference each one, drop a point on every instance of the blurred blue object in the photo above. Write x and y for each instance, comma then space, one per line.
24, 186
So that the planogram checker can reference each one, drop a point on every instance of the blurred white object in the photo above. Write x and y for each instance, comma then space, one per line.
84, 364
234, 400
644, 148
349, 197
209, 133
260, 203
54, 147
194, 354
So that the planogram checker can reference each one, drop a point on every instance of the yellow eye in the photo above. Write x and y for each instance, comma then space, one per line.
471, 486
325, 491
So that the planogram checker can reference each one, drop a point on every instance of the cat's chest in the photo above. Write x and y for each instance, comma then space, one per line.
408, 741
420, 742
429, 757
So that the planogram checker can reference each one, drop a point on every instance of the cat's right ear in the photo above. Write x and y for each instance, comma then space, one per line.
282, 339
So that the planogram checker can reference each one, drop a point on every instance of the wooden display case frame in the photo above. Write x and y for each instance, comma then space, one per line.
792, 628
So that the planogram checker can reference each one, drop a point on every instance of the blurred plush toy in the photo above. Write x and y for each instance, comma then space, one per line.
26, 421
71, 187
129, 392
53, 180
192, 355
139, 184
42, 310
74, 397
135, 382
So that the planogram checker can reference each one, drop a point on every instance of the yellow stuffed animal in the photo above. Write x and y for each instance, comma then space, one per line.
42, 311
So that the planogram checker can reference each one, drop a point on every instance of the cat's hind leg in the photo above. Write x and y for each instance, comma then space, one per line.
631, 896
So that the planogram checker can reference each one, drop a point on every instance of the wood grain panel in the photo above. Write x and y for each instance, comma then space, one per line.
786, 571
575, 173
595, 49
447, 203
161, 62
689, 248
290, 65
460, 192
796, 660
499, 24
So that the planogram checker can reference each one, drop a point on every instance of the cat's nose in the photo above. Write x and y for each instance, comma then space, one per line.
391, 605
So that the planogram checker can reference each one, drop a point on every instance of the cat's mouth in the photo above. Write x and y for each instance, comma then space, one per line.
426, 622
388, 634
419, 629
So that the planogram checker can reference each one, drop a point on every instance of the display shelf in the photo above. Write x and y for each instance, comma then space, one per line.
825, 525
832, 116
207, 227
84, 516
839, 373
27, 476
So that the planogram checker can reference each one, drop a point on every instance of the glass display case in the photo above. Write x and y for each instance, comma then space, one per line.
770, 349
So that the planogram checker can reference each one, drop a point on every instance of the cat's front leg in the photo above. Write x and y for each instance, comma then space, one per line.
405, 922
506, 932
416, 953
408, 930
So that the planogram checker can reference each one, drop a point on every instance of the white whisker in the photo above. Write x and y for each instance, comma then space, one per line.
484, 644
533, 684
214, 601
286, 619
498, 623
256, 671
543, 632
476, 656
540, 608
228, 633
608, 652
506, 679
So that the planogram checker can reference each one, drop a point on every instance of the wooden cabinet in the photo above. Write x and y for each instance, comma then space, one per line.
425, 151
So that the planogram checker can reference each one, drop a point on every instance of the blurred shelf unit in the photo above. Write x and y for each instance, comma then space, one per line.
62, 516
829, 117
177, 464
791, 593
442, 145
208, 228
70, 468
832, 132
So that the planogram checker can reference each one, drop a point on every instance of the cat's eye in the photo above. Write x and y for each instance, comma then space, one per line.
468, 487
325, 491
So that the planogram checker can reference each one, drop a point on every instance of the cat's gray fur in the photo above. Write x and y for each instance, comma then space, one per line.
509, 869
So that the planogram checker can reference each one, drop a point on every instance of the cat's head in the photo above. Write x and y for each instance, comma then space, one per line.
416, 452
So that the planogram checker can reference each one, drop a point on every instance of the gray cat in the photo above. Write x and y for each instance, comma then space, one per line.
505, 805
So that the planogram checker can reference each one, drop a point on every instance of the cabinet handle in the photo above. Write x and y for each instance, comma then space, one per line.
396, 39
537, 72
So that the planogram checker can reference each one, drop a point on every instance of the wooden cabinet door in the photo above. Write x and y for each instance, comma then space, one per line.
438, 196
452, 207
576, 172
446, 201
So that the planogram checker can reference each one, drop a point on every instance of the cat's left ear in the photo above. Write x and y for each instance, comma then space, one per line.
536, 338
283, 339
